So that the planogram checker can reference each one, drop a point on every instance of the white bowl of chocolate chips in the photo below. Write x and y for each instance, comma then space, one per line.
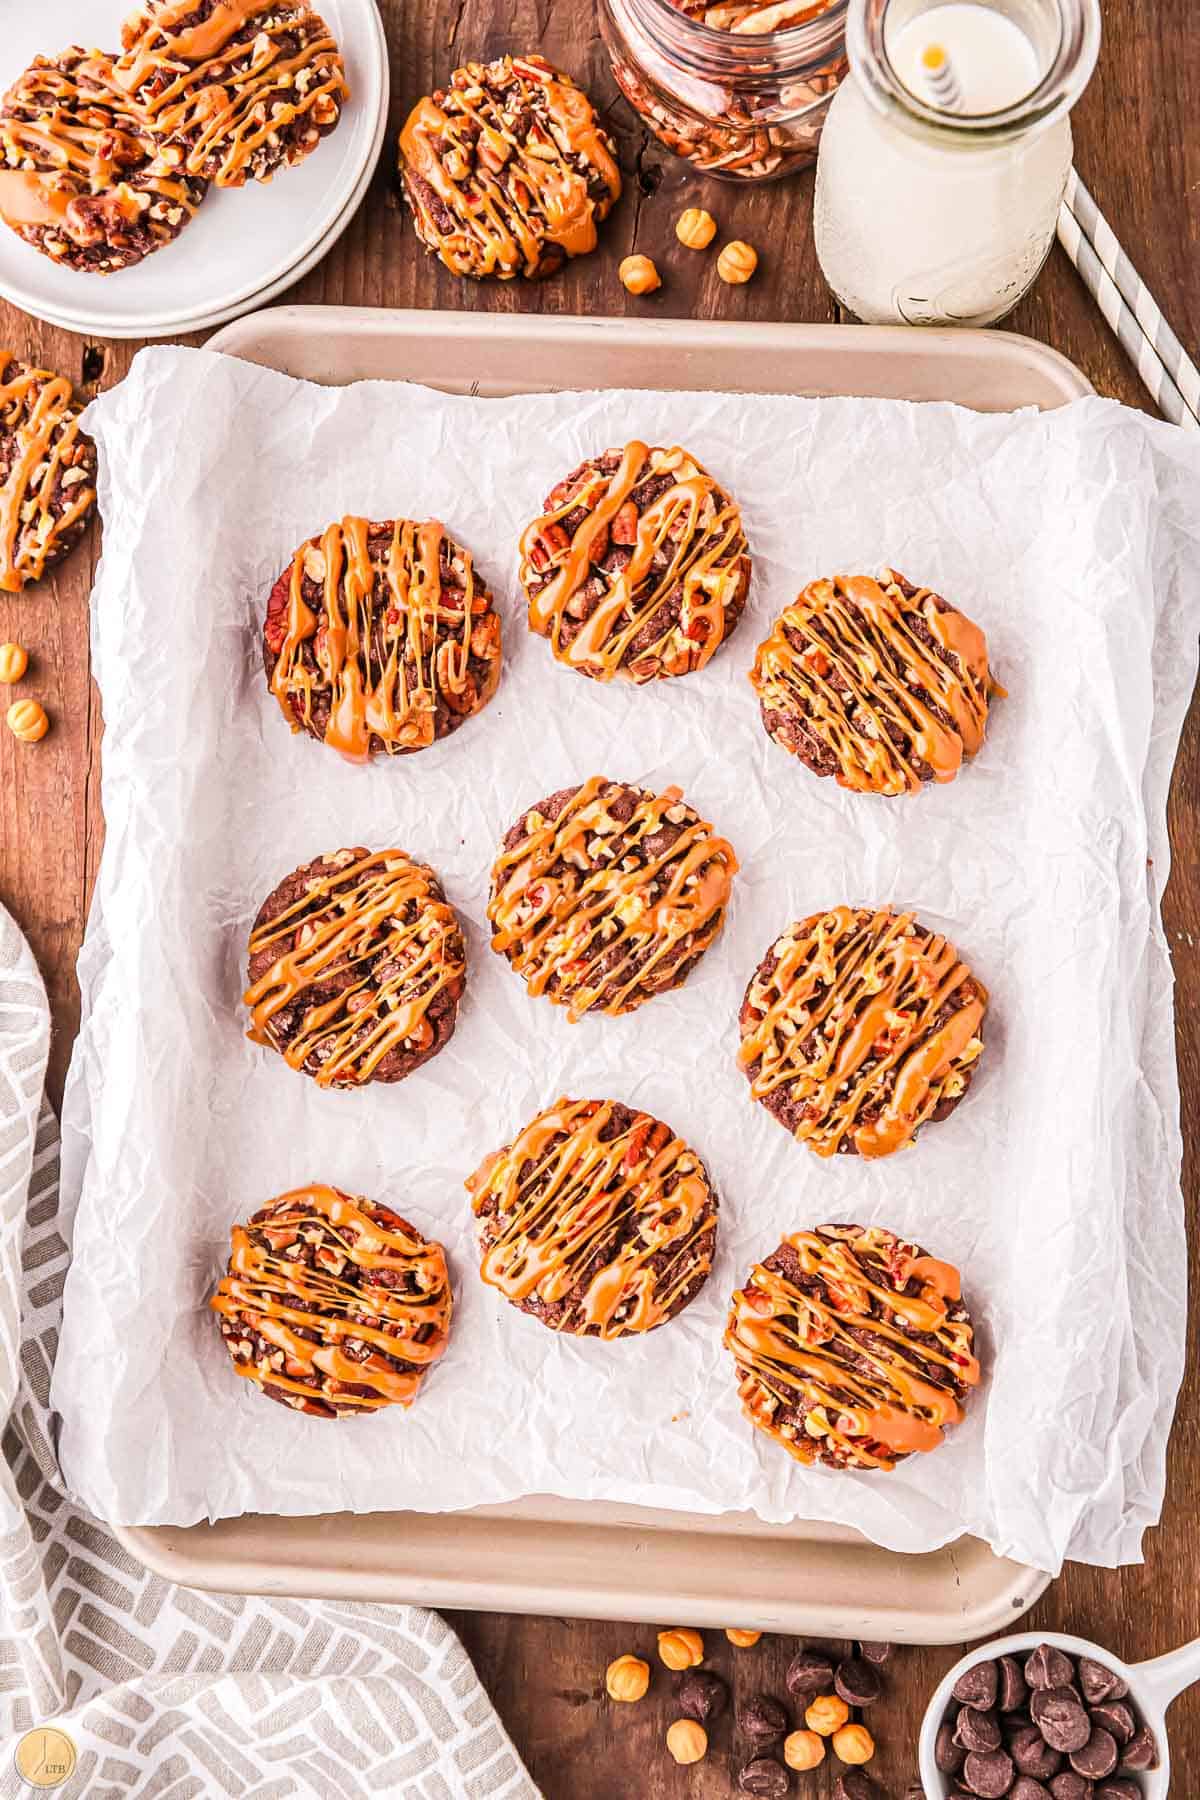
1042, 1716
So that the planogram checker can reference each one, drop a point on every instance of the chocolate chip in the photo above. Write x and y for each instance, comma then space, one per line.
1141, 1752
977, 1730
1014, 1689
701, 1695
763, 1719
809, 1673
948, 1753
765, 1777
856, 1786
856, 1682
1120, 1789
1026, 1788
977, 1686
1098, 1757
988, 1773
1060, 1718
1069, 1786
1115, 1716
874, 1652
1047, 1667
1033, 1755
1098, 1682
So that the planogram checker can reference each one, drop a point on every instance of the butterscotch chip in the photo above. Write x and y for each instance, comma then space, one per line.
239, 91
695, 228
47, 472
27, 720
381, 638
357, 964
638, 275
605, 895
637, 566
859, 1027
507, 171
879, 683
627, 1679
14, 660
681, 1647
687, 1741
597, 1220
737, 262
853, 1349
333, 1305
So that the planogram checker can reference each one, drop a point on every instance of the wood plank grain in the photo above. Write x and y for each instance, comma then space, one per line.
1138, 147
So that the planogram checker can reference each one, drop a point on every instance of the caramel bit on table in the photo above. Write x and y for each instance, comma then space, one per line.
742, 1640
27, 720
627, 1678
695, 228
826, 1714
803, 1750
681, 1648
687, 1741
737, 262
638, 275
853, 1744
14, 661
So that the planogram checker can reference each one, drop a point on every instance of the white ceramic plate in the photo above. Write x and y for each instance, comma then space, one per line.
245, 244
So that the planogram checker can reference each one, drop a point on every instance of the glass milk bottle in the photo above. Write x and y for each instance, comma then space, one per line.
946, 152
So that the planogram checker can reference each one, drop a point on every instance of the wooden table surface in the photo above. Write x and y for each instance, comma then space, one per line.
1138, 147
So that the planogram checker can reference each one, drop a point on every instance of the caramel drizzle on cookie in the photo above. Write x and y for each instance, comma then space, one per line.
871, 1399
566, 1196
187, 87
39, 410
383, 699
509, 194
691, 523
280, 1298
868, 988
555, 927
345, 920
863, 678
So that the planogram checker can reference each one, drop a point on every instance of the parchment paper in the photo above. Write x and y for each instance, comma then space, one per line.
1072, 538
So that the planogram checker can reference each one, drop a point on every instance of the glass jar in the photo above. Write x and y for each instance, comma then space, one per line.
928, 215
740, 102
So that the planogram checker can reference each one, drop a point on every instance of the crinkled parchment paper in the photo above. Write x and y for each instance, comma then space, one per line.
1071, 537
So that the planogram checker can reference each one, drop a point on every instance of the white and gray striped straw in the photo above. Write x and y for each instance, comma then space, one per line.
1167, 371
940, 79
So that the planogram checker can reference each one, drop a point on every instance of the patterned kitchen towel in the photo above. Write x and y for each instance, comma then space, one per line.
164, 1693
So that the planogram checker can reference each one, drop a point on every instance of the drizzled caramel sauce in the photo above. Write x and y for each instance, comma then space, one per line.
687, 543
839, 1363
612, 1223
864, 1024
891, 683
306, 1265
38, 412
510, 186
589, 915
376, 935
386, 667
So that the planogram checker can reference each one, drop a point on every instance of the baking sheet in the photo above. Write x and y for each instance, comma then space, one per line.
1065, 535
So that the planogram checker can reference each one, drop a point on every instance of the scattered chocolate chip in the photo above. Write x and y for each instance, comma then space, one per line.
1099, 1682
1033, 1755
1060, 1718
809, 1673
1026, 1788
856, 1786
1141, 1752
1047, 1667
856, 1682
1069, 1786
948, 1753
977, 1687
765, 1777
988, 1773
1098, 1757
875, 1652
1115, 1716
1120, 1789
977, 1730
763, 1719
701, 1695
1013, 1688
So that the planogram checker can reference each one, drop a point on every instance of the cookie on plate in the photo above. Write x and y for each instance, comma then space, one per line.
380, 637
47, 472
333, 1305
858, 1027
241, 89
596, 1219
637, 567
605, 895
853, 1348
357, 965
507, 171
880, 684
81, 179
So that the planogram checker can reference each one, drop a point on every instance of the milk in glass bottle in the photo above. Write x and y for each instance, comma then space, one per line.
946, 152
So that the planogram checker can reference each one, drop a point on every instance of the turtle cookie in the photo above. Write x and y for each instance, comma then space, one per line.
880, 684
47, 472
242, 88
381, 638
596, 1219
605, 895
637, 566
81, 179
853, 1348
357, 965
858, 1027
507, 171
333, 1305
